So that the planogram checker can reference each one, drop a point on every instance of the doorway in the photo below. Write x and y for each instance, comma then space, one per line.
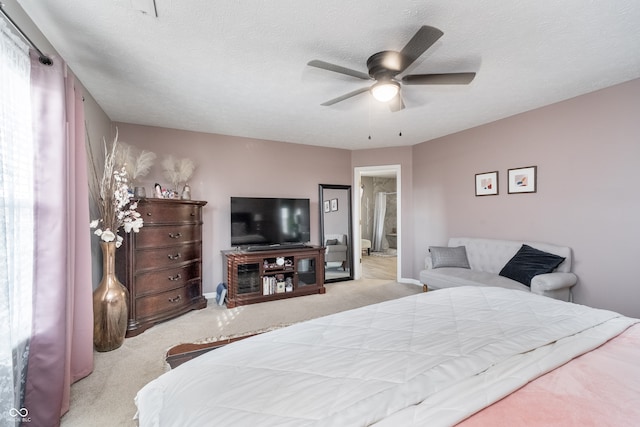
377, 225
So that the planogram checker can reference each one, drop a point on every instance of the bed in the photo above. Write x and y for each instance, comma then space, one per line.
469, 355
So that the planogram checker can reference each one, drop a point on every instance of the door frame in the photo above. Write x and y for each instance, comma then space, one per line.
358, 173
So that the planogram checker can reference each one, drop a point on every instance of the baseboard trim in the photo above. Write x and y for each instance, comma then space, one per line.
410, 281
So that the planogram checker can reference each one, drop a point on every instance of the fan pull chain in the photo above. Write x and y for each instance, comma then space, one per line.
369, 118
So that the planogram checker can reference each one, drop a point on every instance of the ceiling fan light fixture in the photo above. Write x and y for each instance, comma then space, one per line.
385, 91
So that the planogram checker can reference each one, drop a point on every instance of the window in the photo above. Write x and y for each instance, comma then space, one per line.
16, 218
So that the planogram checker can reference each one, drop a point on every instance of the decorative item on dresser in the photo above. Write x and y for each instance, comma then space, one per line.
162, 264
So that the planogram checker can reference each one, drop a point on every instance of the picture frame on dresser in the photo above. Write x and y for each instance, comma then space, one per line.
161, 266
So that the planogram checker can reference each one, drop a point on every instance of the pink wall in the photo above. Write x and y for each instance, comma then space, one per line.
230, 166
98, 126
587, 151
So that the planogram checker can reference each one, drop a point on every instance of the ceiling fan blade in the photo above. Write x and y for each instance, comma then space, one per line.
396, 104
439, 79
338, 69
419, 43
346, 96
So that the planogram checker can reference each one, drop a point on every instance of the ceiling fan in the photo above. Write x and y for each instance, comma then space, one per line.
384, 67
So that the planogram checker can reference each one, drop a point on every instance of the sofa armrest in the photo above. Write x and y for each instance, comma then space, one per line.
552, 281
428, 264
335, 248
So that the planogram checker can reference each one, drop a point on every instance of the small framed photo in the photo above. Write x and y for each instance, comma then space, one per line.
487, 184
334, 205
327, 206
522, 180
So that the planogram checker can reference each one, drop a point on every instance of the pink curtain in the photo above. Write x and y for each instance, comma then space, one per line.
61, 349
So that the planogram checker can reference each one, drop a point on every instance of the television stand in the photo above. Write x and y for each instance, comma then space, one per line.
266, 275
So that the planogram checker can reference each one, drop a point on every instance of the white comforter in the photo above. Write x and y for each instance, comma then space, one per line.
433, 358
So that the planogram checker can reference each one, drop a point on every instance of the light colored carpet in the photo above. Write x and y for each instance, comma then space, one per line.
105, 398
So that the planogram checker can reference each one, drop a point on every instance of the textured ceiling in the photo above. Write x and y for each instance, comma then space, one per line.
239, 67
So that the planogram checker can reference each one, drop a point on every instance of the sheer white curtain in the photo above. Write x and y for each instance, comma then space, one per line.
379, 212
16, 221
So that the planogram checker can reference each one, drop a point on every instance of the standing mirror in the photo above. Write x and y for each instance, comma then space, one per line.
335, 232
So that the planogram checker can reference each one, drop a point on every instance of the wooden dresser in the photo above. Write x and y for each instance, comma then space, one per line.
162, 264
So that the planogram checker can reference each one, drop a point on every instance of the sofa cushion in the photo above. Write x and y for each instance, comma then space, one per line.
446, 277
529, 262
444, 256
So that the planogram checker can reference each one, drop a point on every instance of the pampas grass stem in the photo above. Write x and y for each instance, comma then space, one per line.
177, 170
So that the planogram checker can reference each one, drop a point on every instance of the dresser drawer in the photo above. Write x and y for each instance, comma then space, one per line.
164, 257
162, 280
159, 212
166, 235
166, 302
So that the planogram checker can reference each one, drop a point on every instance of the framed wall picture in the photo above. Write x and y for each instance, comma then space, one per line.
327, 206
522, 180
334, 205
487, 184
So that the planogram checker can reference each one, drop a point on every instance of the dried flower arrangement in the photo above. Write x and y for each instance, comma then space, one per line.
177, 170
137, 162
111, 194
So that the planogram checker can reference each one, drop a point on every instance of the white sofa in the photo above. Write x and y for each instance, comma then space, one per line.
486, 259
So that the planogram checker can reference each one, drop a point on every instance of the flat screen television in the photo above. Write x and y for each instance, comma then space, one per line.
263, 222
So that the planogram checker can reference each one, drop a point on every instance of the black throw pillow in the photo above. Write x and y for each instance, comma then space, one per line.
529, 262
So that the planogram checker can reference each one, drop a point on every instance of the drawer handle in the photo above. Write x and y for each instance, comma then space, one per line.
176, 277
176, 299
193, 214
175, 235
176, 256
148, 213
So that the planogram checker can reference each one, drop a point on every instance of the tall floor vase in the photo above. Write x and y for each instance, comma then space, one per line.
109, 304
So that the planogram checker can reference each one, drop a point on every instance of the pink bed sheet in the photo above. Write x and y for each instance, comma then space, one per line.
600, 388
